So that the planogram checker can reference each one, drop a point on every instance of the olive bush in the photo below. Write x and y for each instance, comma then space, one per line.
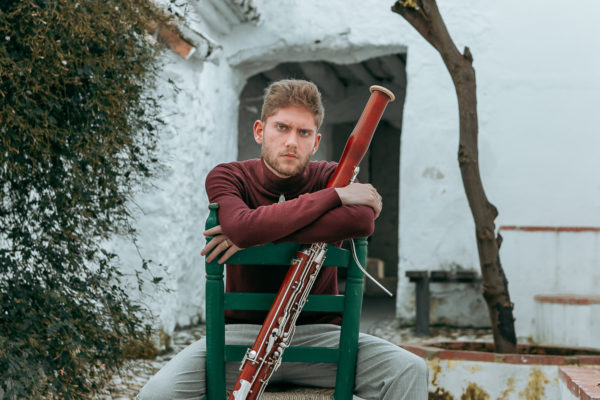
77, 134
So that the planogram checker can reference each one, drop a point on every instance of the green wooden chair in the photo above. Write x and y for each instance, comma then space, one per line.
217, 301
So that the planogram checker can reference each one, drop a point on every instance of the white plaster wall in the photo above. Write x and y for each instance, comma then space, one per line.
336, 31
538, 81
538, 77
199, 132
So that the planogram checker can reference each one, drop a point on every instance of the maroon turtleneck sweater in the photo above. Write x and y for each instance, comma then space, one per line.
249, 213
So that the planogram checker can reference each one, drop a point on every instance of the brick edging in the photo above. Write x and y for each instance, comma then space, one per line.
583, 382
575, 229
429, 351
573, 299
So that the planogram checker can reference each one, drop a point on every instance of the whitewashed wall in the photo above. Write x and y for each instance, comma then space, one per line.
538, 84
171, 211
538, 76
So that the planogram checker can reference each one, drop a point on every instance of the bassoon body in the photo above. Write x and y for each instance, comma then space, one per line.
261, 361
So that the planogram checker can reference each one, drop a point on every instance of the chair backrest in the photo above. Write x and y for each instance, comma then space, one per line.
217, 301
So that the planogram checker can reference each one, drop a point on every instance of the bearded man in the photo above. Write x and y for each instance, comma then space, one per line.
282, 197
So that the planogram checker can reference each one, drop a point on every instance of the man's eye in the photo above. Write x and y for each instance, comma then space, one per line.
304, 133
281, 127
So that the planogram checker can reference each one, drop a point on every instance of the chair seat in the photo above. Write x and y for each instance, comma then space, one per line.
296, 393
299, 394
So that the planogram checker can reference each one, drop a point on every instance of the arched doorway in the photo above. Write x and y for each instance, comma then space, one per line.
345, 91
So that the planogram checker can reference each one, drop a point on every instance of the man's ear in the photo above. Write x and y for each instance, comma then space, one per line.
258, 131
317, 141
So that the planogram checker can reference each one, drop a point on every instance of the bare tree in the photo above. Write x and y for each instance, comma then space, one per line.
425, 17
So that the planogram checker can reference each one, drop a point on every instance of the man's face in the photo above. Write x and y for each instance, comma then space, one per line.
288, 138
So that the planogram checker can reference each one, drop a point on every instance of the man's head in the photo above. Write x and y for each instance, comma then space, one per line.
288, 129
292, 92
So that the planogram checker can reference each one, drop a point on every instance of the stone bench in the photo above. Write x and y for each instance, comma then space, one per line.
422, 279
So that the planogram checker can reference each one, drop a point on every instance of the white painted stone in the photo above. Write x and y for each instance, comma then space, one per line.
538, 72
565, 393
497, 380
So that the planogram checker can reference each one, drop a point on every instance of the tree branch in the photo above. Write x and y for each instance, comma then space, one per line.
428, 21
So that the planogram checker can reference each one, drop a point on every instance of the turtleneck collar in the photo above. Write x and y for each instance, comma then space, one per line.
278, 185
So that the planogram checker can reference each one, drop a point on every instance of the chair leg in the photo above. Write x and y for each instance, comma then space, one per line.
344, 382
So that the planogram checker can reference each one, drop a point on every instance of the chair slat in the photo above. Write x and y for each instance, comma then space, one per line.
283, 254
263, 301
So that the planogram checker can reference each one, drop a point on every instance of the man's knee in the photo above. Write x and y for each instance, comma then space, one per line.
160, 387
417, 367
183, 375
404, 367
155, 390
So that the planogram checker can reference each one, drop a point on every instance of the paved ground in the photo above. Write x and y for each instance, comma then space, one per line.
377, 319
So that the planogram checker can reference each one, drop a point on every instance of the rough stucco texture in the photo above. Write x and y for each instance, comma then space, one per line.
538, 84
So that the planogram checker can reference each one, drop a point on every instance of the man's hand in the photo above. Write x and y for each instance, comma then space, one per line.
361, 194
220, 243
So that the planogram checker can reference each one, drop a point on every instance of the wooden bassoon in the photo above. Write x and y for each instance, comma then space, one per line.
261, 361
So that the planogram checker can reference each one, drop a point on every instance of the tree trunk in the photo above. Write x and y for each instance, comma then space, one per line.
425, 17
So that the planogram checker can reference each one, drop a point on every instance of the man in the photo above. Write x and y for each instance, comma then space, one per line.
283, 197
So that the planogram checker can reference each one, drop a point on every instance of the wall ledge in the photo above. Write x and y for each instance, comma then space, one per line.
573, 229
573, 299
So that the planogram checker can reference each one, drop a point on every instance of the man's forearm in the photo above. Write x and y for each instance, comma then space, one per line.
248, 227
341, 223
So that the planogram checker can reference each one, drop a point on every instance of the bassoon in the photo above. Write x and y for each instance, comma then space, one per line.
275, 335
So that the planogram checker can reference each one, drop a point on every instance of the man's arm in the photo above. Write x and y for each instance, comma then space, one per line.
250, 227
349, 222
327, 215
341, 223
361, 205
247, 226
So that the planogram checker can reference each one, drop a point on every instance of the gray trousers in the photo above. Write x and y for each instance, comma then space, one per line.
383, 371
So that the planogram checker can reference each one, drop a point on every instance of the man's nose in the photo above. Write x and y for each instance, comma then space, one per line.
291, 140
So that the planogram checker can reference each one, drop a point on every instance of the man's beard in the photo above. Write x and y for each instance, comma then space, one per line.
285, 170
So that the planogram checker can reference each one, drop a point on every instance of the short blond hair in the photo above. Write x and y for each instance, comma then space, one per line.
290, 92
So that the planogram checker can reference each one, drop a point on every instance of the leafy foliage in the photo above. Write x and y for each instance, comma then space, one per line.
77, 133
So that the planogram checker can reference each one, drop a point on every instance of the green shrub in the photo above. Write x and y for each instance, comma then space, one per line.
77, 134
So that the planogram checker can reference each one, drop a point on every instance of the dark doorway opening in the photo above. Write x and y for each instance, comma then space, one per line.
345, 90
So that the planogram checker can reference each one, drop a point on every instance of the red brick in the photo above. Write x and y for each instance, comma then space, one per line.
575, 229
572, 299
583, 382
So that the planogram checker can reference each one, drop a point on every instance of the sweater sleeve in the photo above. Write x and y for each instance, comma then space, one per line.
248, 227
341, 223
